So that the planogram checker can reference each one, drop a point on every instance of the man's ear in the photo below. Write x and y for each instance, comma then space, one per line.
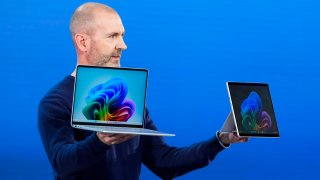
82, 42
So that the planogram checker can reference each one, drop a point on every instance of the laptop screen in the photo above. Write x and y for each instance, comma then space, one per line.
253, 109
109, 96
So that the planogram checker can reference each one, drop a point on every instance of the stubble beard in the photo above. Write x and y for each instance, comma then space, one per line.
97, 59
104, 60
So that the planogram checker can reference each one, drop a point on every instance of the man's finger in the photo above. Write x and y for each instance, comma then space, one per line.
115, 137
124, 138
244, 139
102, 134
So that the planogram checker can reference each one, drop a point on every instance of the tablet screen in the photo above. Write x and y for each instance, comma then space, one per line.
253, 109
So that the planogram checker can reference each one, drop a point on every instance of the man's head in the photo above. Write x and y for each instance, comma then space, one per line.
97, 33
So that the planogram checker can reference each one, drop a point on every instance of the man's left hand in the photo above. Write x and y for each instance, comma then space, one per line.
230, 138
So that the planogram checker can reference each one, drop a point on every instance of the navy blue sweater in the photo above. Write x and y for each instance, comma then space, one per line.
79, 154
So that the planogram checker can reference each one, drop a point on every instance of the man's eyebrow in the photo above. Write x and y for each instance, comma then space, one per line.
115, 34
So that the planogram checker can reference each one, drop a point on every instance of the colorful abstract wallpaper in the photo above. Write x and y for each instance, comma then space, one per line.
107, 102
253, 115
253, 109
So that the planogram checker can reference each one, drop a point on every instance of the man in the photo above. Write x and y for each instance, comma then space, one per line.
97, 33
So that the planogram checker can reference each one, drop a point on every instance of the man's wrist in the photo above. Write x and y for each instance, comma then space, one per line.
219, 137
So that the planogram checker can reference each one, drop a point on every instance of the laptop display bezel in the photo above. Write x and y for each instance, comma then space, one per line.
76, 123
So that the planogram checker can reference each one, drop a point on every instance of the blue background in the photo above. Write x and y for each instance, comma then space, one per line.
191, 49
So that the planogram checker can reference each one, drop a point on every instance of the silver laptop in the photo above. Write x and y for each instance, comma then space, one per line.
252, 112
111, 100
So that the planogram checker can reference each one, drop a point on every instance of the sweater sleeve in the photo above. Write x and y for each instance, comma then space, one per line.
169, 162
66, 155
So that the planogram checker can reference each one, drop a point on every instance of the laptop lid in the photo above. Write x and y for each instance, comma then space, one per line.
252, 109
107, 96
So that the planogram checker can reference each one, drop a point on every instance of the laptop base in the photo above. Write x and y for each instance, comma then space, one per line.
123, 130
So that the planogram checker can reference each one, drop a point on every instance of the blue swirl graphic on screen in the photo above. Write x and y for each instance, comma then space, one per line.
108, 102
254, 118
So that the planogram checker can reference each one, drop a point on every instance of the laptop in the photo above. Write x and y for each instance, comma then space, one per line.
111, 100
252, 112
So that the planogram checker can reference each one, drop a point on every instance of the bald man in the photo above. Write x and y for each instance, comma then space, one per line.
97, 33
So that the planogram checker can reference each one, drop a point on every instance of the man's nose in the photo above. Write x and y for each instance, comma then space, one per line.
121, 44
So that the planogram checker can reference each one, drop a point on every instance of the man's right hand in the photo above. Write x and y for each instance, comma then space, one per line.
111, 139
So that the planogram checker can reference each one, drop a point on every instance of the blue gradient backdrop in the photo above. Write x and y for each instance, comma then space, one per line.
191, 49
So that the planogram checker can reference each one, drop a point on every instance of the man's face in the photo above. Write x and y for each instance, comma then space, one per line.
106, 41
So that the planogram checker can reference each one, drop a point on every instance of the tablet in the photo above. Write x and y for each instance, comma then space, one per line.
252, 109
